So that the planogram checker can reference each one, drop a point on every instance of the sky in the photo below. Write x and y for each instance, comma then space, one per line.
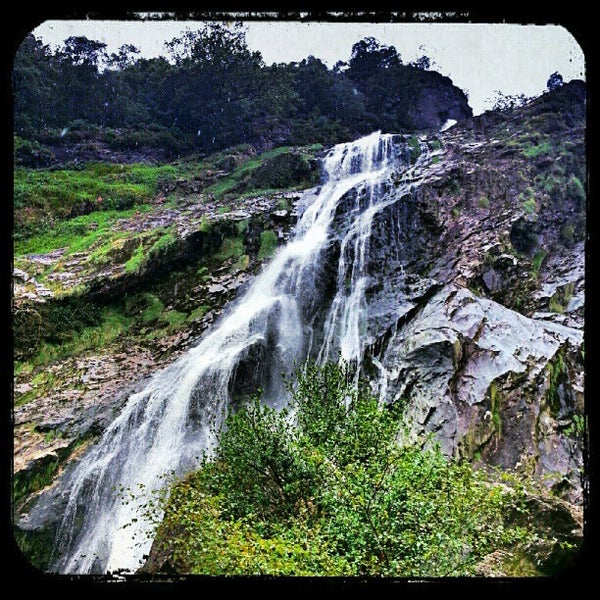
480, 58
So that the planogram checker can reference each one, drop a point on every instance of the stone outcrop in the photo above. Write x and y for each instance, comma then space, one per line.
475, 301
490, 384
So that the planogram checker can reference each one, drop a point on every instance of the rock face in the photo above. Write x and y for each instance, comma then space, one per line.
483, 380
474, 295
476, 319
436, 101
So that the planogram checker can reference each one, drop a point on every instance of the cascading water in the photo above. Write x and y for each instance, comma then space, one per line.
288, 314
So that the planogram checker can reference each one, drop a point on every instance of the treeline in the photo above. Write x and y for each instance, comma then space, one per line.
213, 92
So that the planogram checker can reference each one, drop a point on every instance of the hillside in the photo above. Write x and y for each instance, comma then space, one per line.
473, 312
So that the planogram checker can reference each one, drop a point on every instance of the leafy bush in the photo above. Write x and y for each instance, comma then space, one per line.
323, 487
29, 153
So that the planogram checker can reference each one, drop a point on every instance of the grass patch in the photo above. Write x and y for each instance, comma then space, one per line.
154, 308
535, 150
537, 262
414, 147
113, 324
118, 186
134, 264
77, 234
530, 206
230, 248
163, 244
198, 312
483, 202
268, 244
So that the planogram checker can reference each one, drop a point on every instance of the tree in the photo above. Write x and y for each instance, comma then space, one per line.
82, 91
326, 488
215, 91
368, 58
554, 81
424, 63
35, 88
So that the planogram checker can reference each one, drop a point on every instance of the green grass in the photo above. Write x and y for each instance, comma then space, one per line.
138, 258
268, 244
239, 180
119, 186
113, 324
537, 262
77, 234
198, 312
101, 255
483, 202
535, 150
230, 248
529, 206
175, 319
163, 244
154, 308
414, 147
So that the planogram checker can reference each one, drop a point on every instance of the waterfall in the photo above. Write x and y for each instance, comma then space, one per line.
301, 305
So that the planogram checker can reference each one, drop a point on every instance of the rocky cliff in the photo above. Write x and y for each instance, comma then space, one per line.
485, 344
475, 303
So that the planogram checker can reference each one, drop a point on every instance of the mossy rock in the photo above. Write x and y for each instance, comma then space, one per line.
282, 171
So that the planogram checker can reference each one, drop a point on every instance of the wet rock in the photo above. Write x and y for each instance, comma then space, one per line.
216, 288
476, 375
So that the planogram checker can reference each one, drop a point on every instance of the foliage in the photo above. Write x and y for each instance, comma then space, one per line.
268, 243
535, 150
322, 487
554, 81
529, 206
134, 264
505, 102
212, 93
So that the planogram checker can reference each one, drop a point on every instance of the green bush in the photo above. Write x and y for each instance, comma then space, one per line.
323, 487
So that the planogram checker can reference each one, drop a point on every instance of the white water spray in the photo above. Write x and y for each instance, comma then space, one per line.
270, 330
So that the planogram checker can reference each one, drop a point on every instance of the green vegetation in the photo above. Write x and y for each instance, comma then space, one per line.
231, 247
495, 408
162, 245
414, 146
534, 150
77, 234
333, 494
112, 324
279, 168
537, 262
530, 206
268, 244
557, 375
134, 264
560, 300
43, 196
483, 202
576, 190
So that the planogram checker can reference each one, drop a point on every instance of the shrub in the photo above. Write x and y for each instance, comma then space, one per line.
323, 487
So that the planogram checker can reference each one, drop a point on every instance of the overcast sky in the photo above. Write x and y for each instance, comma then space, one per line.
479, 58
